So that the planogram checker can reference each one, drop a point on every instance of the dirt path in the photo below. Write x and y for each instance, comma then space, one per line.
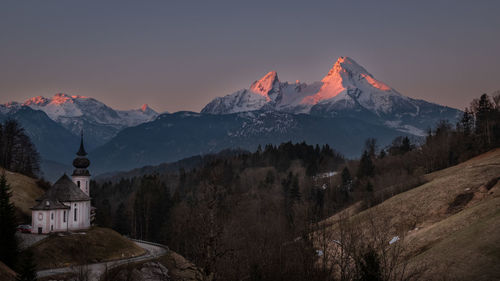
28, 239
97, 269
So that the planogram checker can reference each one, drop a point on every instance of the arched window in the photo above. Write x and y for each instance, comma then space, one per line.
75, 214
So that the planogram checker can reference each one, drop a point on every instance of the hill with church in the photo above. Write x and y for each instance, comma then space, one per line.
64, 239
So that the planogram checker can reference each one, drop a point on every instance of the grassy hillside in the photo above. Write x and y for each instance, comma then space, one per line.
24, 191
450, 223
95, 245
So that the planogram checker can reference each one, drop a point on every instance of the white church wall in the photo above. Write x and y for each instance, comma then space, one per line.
81, 218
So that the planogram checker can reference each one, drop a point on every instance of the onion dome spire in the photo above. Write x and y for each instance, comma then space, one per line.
81, 151
81, 162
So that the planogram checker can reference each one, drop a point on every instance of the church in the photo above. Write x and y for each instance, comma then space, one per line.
66, 204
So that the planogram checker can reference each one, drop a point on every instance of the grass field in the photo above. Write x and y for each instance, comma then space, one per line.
25, 191
94, 245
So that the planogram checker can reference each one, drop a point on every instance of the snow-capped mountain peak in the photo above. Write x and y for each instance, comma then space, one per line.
346, 74
38, 100
348, 88
267, 85
75, 112
345, 65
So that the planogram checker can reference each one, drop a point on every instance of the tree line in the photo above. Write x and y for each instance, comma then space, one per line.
17, 152
384, 172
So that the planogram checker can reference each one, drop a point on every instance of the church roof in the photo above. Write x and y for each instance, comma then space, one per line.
65, 190
49, 204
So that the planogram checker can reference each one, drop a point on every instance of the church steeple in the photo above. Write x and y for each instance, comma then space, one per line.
81, 176
81, 151
81, 162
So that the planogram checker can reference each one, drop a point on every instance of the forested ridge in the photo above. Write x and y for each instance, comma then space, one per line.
249, 215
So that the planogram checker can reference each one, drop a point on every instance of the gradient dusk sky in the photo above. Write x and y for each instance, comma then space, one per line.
179, 55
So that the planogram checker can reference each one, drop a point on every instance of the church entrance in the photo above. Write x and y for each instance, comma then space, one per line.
39, 230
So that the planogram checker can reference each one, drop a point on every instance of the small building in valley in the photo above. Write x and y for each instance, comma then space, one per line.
66, 204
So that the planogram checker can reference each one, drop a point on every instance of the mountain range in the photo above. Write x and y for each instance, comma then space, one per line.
343, 109
54, 125
75, 113
347, 90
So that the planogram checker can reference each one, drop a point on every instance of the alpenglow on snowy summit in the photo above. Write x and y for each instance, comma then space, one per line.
347, 90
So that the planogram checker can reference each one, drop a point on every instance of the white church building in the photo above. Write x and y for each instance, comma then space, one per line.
66, 205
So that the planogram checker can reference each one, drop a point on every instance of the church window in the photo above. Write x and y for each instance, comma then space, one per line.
78, 183
51, 228
64, 216
75, 214
51, 216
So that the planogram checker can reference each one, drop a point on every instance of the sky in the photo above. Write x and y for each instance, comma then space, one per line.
179, 55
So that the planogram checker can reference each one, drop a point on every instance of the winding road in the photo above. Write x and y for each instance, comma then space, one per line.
97, 269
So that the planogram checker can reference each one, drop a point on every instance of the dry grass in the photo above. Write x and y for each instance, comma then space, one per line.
463, 242
24, 191
181, 269
6, 274
95, 245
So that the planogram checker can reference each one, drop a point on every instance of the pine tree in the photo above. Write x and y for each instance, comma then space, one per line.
483, 109
382, 154
346, 179
466, 124
366, 167
346, 183
406, 145
371, 146
8, 241
121, 224
27, 269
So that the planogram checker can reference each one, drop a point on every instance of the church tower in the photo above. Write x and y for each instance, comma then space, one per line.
81, 176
